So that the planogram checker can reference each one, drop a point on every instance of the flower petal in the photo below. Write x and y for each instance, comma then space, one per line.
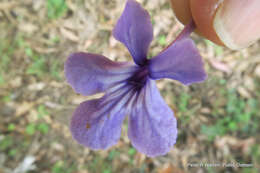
181, 61
90, 73
152, 125
134, 30
94, 127
97, 123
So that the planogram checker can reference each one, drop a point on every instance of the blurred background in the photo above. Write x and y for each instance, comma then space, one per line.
218, 120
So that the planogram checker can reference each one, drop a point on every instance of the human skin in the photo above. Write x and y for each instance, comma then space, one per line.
231, 23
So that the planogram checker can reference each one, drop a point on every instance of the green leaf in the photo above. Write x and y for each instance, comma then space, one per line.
11, 127
162, 40
55, 69
218, 50
7, 98
113, 154
131, 151
28, 52
42, 111
6, 142
56, 8
43, 128
222, 81
232, 126
12, 152
38, 67
30, 129
107, 171
58, 167
2, 81
184, 100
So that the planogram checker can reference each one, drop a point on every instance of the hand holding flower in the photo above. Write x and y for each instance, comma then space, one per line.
232, 23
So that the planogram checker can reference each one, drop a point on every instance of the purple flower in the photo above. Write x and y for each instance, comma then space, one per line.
130, 88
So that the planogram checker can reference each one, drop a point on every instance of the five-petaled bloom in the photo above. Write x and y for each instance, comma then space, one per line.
130, 88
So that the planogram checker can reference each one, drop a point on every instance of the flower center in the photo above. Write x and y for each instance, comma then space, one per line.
139, 78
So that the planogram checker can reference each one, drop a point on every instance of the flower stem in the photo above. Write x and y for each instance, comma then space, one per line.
188, 29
